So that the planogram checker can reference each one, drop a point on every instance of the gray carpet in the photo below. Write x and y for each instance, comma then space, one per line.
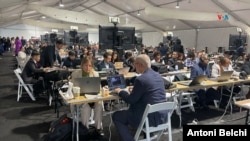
29, 121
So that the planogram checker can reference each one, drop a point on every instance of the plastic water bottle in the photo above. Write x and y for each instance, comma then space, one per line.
176, 67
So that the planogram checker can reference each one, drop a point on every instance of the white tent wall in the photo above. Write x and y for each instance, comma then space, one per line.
93, 38
28, 31
211, 38
22, 30
214, 38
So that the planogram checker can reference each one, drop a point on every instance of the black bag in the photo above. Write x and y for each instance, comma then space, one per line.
160, 68
60, 129
180, 77
57, 75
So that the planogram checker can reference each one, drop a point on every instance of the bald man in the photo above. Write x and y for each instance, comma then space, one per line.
148, 89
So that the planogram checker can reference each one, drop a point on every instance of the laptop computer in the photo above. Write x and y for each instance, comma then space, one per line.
224, 76
116, 81
118, 65
88, 85
196, 81
124, 71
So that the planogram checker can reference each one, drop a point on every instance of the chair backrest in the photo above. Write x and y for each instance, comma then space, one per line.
168, 106
18, 72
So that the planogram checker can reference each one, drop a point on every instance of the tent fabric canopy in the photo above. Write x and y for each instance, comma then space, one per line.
144, 15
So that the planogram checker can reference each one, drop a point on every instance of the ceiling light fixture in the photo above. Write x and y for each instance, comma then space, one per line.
61, 3
177, 5
138, 13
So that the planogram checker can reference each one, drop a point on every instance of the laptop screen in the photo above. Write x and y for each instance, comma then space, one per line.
116, 81
88, 85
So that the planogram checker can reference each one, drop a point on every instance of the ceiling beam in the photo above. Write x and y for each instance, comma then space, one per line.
93, 5
132, 15
227, 10
90, 9
184, 22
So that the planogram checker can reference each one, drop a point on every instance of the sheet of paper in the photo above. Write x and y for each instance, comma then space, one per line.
89, 96
247, 104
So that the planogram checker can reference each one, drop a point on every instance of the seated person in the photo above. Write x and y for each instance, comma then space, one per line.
204, 96
246, 68
173, 60
174, 63
88, 71
70, 61
157, 58
106, 63
190, 60
224, 64
144, 92
126, 62
30, 73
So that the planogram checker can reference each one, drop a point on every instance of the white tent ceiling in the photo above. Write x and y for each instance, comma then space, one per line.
87, 14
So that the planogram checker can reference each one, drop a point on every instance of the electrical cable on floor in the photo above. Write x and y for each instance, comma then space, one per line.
225, 111
110, 124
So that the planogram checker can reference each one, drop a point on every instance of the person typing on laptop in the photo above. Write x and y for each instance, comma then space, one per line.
87, 70
204, 95
224, 64
144, 92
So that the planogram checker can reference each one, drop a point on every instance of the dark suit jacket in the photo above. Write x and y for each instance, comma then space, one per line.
101, 65
50, 56
145, 92
30, 72
71, 63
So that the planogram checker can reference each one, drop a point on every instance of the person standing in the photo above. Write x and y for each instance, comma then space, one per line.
18, 45
51, 54
13, 45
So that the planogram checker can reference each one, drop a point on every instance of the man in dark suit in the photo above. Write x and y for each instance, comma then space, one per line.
71, 61
106, 63
51, 54
32, 73
144, 92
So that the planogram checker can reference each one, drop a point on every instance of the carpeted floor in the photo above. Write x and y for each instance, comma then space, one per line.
29, 120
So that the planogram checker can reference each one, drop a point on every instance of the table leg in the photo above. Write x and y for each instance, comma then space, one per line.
73, 113
77, 122
178, 112
247, 117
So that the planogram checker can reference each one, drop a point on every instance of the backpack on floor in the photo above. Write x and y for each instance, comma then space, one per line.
61, 130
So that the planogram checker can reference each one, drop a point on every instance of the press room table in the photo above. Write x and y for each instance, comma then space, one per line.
176, 72
126, 76
80, 101
244, 104
206, 84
